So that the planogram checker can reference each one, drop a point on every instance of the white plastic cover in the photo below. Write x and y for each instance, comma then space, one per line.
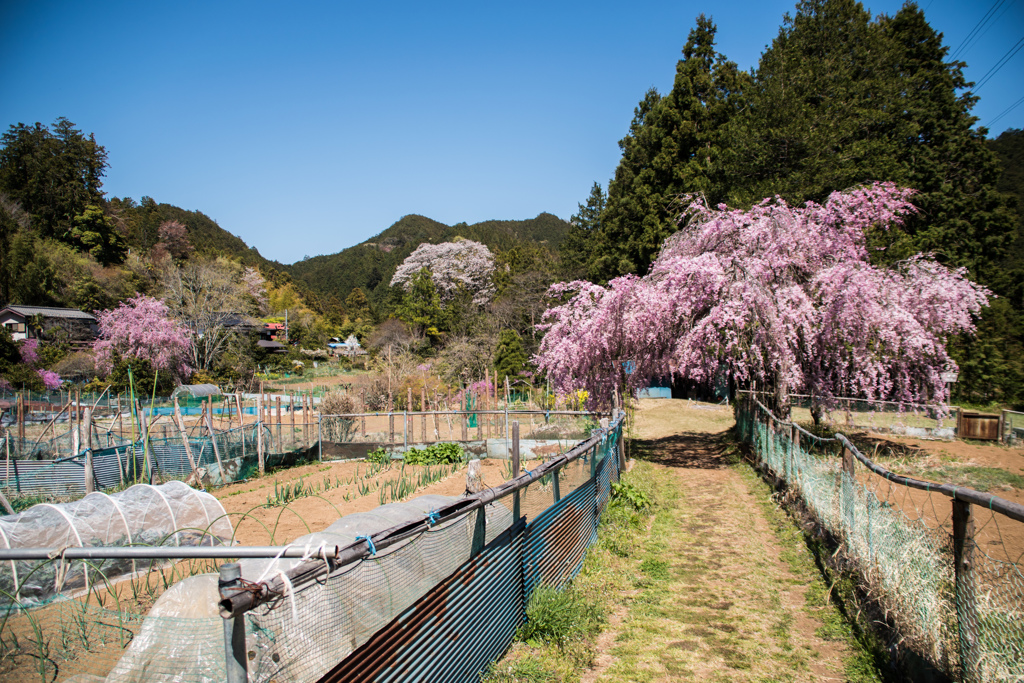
169, 514
321, 623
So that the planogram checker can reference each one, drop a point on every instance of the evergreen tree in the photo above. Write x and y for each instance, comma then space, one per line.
813, 124
421, 305
962, 218
577, 247
357, 306
672, 148
509, 358
54, 175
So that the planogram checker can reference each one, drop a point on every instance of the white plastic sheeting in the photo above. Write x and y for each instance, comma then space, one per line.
169, 514
319, 624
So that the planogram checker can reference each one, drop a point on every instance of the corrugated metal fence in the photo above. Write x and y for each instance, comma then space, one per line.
456, 629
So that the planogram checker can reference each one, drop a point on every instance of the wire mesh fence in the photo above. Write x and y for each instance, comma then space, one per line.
945, 572
444, 599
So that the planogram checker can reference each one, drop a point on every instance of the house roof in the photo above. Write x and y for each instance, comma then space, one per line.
264, 344
50, 312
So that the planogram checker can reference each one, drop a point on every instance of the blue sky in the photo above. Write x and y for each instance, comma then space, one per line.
305, 128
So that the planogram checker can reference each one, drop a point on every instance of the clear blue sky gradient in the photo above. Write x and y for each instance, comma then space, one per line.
307, 128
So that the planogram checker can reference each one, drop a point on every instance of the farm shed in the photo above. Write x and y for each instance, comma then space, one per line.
170, 514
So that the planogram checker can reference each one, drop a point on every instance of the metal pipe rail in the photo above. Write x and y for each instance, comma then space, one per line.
170, 553
470, 412
248, 597
1012, 510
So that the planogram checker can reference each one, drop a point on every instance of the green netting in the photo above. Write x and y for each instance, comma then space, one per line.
900, 542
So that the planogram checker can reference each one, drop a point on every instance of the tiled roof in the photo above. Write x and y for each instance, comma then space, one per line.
51, 312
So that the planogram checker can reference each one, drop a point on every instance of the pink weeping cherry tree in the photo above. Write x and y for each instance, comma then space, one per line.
141, 327
777, 295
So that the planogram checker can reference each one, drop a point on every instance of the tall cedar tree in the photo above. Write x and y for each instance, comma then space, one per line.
577, 248
509, 358
672, 148
55, 175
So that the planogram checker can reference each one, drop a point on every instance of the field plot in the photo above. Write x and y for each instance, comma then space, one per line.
330, 490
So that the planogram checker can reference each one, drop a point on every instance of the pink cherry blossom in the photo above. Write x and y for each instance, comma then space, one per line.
778, 295
141, 328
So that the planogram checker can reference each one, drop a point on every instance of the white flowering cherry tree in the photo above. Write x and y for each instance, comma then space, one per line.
463, 265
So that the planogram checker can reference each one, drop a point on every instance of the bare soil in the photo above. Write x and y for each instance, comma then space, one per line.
258, 524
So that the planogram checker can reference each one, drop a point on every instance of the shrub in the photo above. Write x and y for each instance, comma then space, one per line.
628, 493
337, 429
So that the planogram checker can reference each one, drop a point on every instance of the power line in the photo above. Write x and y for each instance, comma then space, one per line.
977, 27
1006, 111
1000, 64
988, 28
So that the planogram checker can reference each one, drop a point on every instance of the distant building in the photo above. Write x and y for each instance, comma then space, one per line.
350, 347
46, 322
273, 332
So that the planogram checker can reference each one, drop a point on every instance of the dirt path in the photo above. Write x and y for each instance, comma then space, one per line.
723, 598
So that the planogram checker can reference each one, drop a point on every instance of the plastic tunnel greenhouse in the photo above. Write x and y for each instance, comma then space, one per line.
169, 514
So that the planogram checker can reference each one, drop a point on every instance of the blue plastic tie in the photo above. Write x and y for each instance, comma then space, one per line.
369, 544
433, 517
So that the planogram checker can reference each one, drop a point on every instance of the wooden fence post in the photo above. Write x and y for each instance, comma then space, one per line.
21, 418
280, 441
966, 605
216, 449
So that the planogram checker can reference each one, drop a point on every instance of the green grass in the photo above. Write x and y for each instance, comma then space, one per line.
558, 641
830, 596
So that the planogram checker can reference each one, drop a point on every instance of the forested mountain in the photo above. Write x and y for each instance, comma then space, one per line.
839, 99
371, 264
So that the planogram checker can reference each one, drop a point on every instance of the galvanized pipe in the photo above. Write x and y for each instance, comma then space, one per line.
312, 569
222, 552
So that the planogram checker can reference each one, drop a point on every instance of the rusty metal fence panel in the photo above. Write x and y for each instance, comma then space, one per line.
456, 629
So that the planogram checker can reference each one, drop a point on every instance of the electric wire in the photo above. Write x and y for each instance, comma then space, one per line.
962, 47
1000, 64
1006, 111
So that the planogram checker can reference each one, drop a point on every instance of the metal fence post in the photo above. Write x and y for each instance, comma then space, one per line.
966, 607
234, 626
259, 434
516, 468
90, 475
850, 498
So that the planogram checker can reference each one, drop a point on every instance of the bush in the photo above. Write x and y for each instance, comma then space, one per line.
337, 429
628, 493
